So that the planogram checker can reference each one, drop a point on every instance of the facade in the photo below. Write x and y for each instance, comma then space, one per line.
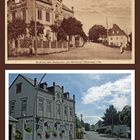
43, 112
116, 36
48, 12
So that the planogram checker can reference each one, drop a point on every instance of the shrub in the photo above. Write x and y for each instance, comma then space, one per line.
28, 129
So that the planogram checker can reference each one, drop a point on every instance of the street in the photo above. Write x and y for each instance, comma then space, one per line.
90, 51
91, 135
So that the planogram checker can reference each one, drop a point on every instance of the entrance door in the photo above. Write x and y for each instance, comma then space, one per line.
10, 132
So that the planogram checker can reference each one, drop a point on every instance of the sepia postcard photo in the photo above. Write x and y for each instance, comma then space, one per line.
54, 105
70, 32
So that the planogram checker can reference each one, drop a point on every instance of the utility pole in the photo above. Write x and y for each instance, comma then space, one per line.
107, 29
35, 110
35, 30
112, 125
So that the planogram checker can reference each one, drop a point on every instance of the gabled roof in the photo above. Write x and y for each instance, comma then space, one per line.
30, 81
116, 31
64, 7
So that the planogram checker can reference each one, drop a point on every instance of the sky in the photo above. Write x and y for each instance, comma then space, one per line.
91, 12
94, 91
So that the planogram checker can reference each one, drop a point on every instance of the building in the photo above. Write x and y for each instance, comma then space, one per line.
98, 125
12, 128
48, 12
116, 37
42, 111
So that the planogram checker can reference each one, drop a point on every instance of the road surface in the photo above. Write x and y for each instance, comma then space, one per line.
90, 51
91, 135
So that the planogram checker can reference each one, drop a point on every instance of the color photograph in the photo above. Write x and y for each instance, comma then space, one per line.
70, 105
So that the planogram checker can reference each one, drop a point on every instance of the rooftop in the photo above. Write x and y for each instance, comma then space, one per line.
115, 30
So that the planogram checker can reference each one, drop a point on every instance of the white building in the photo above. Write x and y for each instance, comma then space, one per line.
48, 12
116, 36
42, 112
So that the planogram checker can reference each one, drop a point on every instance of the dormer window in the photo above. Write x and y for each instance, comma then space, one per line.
113, 32
117, 32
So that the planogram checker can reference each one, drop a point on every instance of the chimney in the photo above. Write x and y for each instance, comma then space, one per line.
54, 87
73, 97
53, 84
72, 8
62, 89
35, 81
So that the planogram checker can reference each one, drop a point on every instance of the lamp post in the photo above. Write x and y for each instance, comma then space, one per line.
35, 109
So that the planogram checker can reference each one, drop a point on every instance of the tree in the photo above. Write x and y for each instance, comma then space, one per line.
72, 26
16, 28
61, 35
111, 117
59, 32
95, 32
125, 116
87, 127
78, 123
39, 28
79, 131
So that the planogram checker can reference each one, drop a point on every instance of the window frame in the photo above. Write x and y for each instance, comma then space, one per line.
48, 16
39, 14
10, 107
18, 89
23, 106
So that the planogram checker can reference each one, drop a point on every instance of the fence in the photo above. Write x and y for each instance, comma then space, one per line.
27, 46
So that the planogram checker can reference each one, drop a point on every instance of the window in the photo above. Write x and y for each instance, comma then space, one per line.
40, 107
39, 14
56, 6
24, 14
116, 38
71, 112
111, 38
18, 88
58, 96
13, 15
113, 32
56, 16
117, 32
24, 107
58, 107
12, 108
65, 110
48, 105
47, 16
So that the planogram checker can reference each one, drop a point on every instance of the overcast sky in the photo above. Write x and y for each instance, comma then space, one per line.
91, 12
94, 91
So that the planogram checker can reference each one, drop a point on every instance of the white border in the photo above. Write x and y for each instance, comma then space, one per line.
7, 72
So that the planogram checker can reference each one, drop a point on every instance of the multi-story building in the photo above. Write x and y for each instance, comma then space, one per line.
42, 112
48, 12
116, 36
